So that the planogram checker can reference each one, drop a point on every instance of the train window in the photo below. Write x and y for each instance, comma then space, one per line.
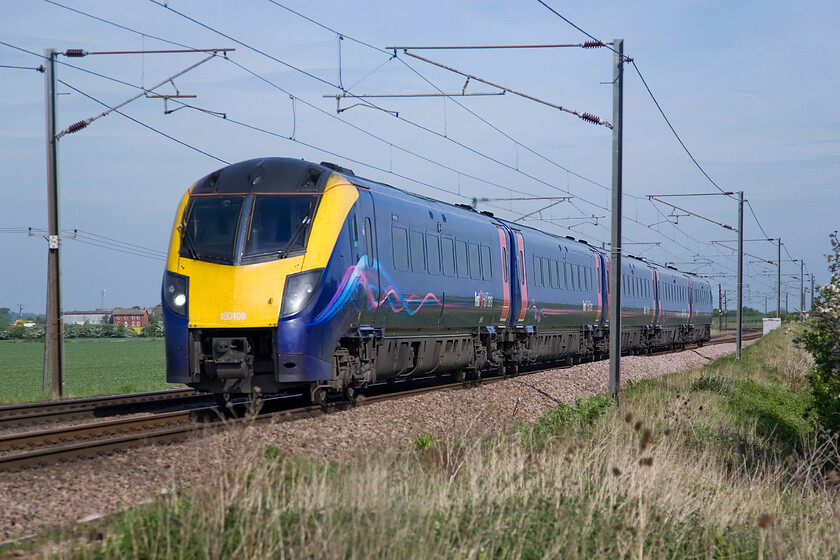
447, 246
461, 259
218, 240
546, 273
563, 275
573, 270
475, 267
418, 251
368, 233
537, 271
280, 224
589, 279
521, 263
486, 264
552, 272
433, 253
399, 240
505, 264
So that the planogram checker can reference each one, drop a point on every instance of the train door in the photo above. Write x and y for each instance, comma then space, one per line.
520, 282
507, 275
365, 256
601, 283
690, 301
657, 296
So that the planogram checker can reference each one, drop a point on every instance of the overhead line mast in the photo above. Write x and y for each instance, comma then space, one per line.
54, 343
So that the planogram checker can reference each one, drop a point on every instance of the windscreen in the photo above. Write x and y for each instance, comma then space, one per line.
280, 223
277, 225
210, 227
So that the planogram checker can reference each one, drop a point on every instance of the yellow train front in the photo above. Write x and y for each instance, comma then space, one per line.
249, 246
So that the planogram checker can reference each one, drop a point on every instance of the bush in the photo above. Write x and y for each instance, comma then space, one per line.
822, 340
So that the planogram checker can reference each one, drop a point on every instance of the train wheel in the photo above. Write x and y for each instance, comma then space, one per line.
461, 376
222, 401
350, 393
501, 371
318, 395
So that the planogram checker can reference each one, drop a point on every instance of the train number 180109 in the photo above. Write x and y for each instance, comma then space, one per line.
232, 316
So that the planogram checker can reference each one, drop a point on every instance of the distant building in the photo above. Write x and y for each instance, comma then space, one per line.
97, 317
137, 318
156, 311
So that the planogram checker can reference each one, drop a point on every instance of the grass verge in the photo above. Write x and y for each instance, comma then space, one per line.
92, 367
719, 462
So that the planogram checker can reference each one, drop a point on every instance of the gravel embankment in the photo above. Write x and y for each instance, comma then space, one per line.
64, 494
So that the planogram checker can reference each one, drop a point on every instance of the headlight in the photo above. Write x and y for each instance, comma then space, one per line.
175, 289
299, 290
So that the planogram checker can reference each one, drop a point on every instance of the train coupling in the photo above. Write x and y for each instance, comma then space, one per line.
233, 358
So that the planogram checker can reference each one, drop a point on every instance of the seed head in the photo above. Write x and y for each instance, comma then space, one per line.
765, 521
647, 439
638, 426
646, 461
628, 418
616, 471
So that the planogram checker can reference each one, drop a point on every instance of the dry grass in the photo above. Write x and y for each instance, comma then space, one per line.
672, 474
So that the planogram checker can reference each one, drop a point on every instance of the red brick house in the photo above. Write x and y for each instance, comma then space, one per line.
137, 318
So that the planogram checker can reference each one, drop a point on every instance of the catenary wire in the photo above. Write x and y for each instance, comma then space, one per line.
518, 143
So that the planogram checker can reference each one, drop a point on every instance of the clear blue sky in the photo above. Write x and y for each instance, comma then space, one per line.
749, 86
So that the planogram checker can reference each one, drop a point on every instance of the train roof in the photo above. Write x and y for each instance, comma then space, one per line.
277, 174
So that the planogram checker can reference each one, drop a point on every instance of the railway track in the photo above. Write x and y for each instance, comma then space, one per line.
40, 447
51, 412
33, 449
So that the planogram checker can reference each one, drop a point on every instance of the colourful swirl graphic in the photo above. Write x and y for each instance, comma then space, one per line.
363, 275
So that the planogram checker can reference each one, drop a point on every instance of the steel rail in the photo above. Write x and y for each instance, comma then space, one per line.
46, 413
34, 449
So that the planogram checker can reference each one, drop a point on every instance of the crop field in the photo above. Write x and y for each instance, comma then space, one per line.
92, 367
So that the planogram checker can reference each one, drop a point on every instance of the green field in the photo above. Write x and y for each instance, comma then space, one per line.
92, 367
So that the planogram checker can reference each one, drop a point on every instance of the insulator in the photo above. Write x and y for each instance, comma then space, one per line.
591, 118
74, 52
593, 44
76, 127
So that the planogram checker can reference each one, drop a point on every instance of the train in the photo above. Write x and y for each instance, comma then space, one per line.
285, 276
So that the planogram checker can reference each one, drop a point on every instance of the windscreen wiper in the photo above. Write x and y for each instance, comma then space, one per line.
300, 229
188, 241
